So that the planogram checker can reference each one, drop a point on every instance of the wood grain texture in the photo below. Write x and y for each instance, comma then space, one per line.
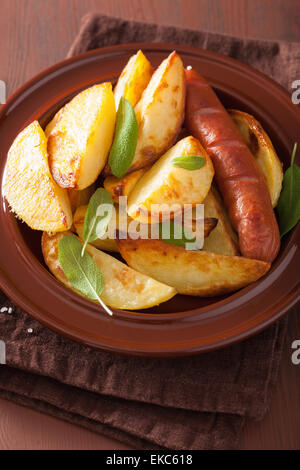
25, 429
35, 34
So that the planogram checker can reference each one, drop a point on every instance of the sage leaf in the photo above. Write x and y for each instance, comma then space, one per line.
174, 233
189, 162
125, 139
82, 271
288, 207
97, 216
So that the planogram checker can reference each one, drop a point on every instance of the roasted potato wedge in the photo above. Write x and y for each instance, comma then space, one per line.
122, 186
261, 147
124, 288
160, 112
222, 239
133, 79
80, 198
29, 187
191, 272
81, 137
167, 184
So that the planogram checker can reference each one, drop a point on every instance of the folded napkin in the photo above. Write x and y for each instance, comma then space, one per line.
198, 402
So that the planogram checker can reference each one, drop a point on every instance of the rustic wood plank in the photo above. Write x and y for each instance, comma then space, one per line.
280, 428
25, 429
268, 19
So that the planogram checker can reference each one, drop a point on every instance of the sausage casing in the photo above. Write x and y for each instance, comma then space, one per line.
238, 176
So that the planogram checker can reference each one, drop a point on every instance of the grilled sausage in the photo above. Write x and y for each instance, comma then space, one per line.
238, 176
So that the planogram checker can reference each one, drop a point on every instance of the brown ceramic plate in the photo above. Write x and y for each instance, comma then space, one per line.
184, 325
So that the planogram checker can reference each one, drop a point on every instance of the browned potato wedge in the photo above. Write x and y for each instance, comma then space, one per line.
160, 112
222, 239
122, 186
124, 288
261, 147
81, 136
80, 198
207, 225
29, 187
191, 272
133, 79
167, 184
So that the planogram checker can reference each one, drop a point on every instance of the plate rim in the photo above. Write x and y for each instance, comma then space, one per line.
9, 289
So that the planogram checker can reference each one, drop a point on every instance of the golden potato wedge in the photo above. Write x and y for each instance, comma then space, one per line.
160, 112
167, 184
124, 288
222, 239
191, 272
122, 186
80, 198
133, 79
261, 147
79, 142
29, 187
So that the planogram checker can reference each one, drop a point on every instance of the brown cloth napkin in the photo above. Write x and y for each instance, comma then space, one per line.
198, 402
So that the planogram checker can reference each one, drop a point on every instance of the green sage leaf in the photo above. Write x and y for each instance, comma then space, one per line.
288, 207
189, 162
97, 216
125, 139
82, 271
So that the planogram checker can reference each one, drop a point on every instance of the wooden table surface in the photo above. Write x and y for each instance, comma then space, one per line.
37, 33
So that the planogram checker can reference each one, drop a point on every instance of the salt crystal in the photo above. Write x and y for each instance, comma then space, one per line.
3, 309
189, 67
30, 330
10, 310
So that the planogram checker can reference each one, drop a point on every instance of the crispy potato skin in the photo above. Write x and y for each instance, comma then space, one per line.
124, 288
222, 239
122, 186
262, 148
134, 79
208, 225
165, 183
80, 136
29, 187
50, 126
196, 273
